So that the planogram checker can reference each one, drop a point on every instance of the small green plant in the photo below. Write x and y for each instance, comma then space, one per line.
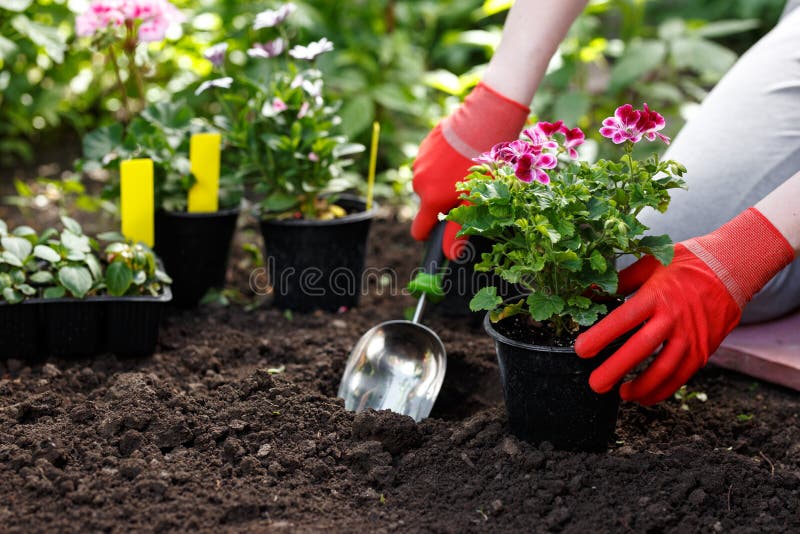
54, 265
281, 128
559, 224
684, 396
162, 133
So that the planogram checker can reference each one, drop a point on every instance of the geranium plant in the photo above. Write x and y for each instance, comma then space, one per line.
279, 124
159, 131
55, 264
559, 224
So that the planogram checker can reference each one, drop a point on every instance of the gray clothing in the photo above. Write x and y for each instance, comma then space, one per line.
742, 142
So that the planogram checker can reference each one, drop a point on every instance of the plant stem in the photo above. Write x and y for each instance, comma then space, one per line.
125, 104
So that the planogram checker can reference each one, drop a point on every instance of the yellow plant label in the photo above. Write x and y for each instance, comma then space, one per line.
137, 200
204, 155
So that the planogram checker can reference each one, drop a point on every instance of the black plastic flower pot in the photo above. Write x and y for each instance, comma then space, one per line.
461, 282
126, 326
194, 248
318, 265
547, 394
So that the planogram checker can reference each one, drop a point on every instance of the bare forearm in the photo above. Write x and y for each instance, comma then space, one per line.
531, 35
782, 208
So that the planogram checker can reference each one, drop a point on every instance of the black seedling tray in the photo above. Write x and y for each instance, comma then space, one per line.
126, 326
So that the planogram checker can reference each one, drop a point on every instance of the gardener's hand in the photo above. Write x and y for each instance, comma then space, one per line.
484, 119
688, 306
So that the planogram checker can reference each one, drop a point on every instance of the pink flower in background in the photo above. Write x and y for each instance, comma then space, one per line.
312, 51
630, 124
303, 110
273, 17
216, 54
268, 50
278, 105
154, 17
100, 15
313, 157
532, 166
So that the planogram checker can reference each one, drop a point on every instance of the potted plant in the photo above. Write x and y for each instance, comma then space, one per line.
558, 225
281, 129
62, 296
194, 244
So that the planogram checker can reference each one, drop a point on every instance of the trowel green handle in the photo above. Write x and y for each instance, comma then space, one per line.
432, 263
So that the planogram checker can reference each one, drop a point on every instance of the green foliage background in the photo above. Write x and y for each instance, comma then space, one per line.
404, 63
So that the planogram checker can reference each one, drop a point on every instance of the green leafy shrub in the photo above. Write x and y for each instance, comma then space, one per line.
559, 224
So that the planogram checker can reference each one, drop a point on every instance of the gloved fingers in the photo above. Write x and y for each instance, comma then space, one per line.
641, 345
683, 374
452, 245
628, 316
658, 373
427, 217
632, 277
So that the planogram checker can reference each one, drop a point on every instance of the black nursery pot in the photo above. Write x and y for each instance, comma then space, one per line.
548, 397
316, 264
126, 326
194, 248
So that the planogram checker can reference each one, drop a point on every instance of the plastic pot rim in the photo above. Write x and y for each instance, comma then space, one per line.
199, 214
165, 296
347, 219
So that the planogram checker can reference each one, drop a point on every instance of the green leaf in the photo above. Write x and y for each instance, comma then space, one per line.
640, 57
357, 115
72, 225
101, 142
659, 246
110, 236
11, 259
41, 277
724, 28
94, 266
43, 252
705, 57
18, 246
54, 292
543, 306
579, 302
26, 290
77, 280
598, 262
24, 231
429, 284
569, 260
118, 278
73, 242
486, 299
278, 202
7, 48
587, 317
12, 296
47, 37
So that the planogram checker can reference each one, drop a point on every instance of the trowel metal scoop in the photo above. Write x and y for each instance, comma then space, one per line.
399, 365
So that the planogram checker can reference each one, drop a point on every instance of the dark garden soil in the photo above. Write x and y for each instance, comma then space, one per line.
206, 436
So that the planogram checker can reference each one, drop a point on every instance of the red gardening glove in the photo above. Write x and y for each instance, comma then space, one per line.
689, 306
484, 119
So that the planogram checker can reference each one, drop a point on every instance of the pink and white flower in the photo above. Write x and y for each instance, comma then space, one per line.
155, 17
216, 54
273, 17
531, 166
312, 50
629, 124
303, 110
222, 83
267, 50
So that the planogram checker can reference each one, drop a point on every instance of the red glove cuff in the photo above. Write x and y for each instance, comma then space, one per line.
484, 119
744, 253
